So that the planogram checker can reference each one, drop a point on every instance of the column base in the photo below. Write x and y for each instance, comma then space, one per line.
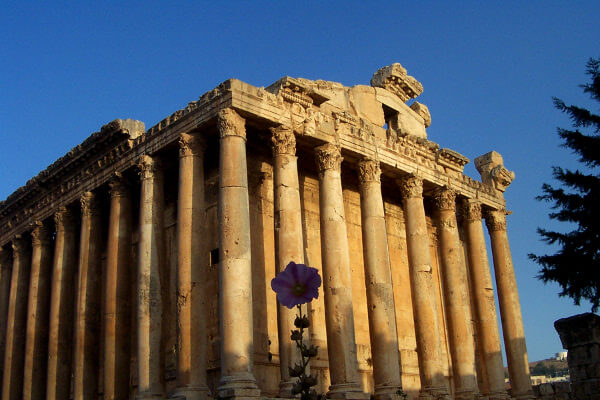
347, 391
387, 393
526, 396
238, 386
285, 389
192, 392
150, 396
498, 396
468, 395
434, 393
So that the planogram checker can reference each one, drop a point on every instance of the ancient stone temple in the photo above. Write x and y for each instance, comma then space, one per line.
139, 264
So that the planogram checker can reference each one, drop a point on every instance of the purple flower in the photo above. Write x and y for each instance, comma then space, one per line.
297, 284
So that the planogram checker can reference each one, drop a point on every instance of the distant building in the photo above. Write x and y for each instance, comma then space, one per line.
562, 356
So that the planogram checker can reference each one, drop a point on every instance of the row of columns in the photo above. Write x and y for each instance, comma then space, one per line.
28, 308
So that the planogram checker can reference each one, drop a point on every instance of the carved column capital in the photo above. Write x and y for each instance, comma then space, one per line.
64, 219
328, 156
369, 171
444, 198
471, 210
40, 234
148, 167
118, 186
495, 220
89, 204
284, 140
411, 186
19, 245
231, 124
191, 145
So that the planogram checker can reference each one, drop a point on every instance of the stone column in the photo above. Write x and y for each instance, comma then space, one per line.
60, 342
380, 294
36, 342
235, 283
510, 307
456, 296
89, 286
5, 270
191, 268
14, 352
482, 291
422, 288
150, 358
337, 285
117, 329
289, 245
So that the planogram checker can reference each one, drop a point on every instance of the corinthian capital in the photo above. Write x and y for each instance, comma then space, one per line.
191, 145
40, 234
444, 198
411, 186
369, 171
231, 124
64, 219
89, 204
328, 156
149, 167
284, 141
471, 210
118, 186
495, 220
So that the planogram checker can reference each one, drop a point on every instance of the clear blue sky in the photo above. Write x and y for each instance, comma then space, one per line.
489, 71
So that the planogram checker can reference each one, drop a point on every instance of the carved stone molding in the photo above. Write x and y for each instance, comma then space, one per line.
118, 186
471, 210
40, 234
284, 141
191, 145
369, 171
19, 245
64, 219
493, 173
411, 186
495, 220
395, 79
328, 156
231, 124
89, 204
444, 198
149, 166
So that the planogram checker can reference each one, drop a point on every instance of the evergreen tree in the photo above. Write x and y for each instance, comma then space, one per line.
576, 265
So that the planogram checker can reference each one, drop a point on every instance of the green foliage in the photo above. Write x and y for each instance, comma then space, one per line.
576, 265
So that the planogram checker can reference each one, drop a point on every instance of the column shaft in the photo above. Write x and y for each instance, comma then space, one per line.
510, 307
36, 345
422, 289
289, 244
235, 290
117, 324
14, 353
89, 286
337, 285
62, 299
380, 294
150, 358
191, 268
5, 271
457, 302
482, 290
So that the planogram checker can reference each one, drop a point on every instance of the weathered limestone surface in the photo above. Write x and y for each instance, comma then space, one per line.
86, 359
580, 335
62, 301
36, 342
380, 295
421, 279
486, 323
236, 326
191, 260
510, 307
117, 301
462, 346
172, 299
